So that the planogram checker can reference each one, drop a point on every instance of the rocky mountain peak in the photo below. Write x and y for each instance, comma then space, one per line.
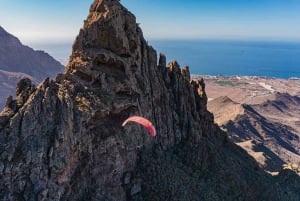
111, 54
109, 36
66, 142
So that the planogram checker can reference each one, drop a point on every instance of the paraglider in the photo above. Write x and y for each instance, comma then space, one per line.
141, 120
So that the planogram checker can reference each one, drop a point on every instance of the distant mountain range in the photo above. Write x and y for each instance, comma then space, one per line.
269, 131
18, 61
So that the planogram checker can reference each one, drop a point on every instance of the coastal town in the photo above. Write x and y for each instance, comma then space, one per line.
248, 89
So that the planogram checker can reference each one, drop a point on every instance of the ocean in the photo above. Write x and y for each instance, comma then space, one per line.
229, 57
218, 57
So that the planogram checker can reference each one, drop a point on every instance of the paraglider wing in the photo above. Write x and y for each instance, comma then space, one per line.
141, 120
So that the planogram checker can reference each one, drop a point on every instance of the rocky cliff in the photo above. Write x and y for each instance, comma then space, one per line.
8, 82
63, 140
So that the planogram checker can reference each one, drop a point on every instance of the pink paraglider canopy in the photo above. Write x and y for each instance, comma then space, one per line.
141, 120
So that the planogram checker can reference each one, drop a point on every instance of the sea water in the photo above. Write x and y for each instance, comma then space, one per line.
217, 57
232, 57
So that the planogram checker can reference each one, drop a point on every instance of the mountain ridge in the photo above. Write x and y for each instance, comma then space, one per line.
7, 38
16, 57
18, 61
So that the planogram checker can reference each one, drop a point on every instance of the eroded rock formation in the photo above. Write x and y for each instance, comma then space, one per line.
65, 140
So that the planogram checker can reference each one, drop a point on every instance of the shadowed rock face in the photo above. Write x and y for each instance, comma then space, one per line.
64, 141
8, 82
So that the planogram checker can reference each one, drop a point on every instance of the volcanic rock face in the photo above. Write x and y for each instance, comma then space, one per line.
64, 140
8, 82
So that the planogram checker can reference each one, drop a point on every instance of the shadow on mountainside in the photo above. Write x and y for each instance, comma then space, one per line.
271, 138
272, 162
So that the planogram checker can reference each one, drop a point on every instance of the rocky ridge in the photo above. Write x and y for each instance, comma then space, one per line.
63, 140
8, 82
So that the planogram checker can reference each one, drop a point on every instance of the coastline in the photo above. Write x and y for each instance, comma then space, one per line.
248, 89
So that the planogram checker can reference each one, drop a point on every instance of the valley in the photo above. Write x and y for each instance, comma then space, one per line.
260, 114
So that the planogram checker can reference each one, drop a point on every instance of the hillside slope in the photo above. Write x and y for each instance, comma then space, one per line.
268, 131
16, 57
18, 61
64, 141
224, 109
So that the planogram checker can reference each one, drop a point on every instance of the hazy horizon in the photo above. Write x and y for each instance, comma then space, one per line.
49, 26
217, 57
37, 21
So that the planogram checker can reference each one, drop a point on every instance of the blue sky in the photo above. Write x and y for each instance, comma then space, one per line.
48, 20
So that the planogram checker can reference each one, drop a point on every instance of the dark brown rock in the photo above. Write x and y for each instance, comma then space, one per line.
23, 91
